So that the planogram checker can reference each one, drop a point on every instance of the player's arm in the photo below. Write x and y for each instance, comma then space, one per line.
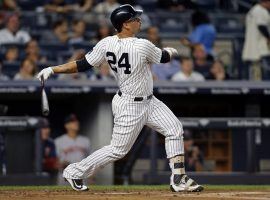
91, 59
157, 55
167, 54
67, 68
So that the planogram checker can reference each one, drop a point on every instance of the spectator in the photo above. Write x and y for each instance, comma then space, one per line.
3, 77
59, 33
106, 7
12, 32
49, 158
203, 33
78, 31
202, 61
71, 147
12, 54
103, 31
77, 55
27, 71
256, 53
176, 5
193, 158
217, 71
32, 51
187, 73
58, 6
153, 36
9, 5
165, 71
81, 6
62, 6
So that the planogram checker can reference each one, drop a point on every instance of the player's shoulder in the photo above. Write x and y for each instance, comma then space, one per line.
143, 41
143, 44
103, 42
258, 9
108, 38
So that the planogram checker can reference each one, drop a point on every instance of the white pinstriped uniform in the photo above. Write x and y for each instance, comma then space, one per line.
130, 59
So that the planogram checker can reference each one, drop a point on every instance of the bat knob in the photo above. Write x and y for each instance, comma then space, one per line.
45, 113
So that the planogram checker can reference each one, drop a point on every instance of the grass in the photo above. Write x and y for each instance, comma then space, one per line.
140, 188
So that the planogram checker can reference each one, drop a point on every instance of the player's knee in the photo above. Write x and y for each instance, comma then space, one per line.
176, 130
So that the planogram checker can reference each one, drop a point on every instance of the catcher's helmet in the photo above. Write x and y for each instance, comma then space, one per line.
123, 13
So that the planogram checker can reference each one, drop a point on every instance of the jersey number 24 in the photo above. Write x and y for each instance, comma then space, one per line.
122, 62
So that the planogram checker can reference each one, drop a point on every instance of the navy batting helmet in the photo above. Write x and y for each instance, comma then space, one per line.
122, 14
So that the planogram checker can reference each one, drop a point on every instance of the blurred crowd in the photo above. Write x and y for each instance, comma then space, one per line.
65, 30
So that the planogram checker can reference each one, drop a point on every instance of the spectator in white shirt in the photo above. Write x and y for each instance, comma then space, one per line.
71, 147
27, 71
187, 73
12, 32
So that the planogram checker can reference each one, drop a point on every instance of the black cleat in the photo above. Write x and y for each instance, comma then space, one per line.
186, 184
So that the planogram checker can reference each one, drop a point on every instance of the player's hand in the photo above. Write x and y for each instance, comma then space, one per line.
46, 73
172, 51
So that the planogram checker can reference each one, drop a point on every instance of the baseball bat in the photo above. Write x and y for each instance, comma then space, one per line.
44, 100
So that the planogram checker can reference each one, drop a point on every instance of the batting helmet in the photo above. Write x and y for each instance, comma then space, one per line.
122, 14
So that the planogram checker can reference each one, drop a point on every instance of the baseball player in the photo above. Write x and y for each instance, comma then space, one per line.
134, 105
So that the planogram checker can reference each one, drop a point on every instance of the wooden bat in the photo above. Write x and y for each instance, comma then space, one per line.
44, 100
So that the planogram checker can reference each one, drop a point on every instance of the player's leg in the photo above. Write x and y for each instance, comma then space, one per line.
129, 119
162, 119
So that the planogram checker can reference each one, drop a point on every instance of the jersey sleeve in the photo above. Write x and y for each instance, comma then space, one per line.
150, 51
262, 17
97, 56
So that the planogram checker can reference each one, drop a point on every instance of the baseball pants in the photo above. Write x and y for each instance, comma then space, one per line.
129, 118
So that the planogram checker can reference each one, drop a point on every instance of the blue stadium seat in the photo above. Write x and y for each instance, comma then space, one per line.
93, 27
2, 56
54, 47
42, 65
64, 56
29, 5
207, 4
87, 46
229, 25
11, 68
173, 28
20, 46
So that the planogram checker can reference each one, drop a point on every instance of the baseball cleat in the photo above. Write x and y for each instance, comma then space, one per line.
185, 184
77, 184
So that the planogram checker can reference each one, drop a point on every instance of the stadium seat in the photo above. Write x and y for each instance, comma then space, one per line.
207, 4
87, 46
54, 47
29, 5
229, 25
20, 46
11, 68
174, 28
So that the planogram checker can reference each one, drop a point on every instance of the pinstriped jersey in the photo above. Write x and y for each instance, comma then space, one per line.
130, 60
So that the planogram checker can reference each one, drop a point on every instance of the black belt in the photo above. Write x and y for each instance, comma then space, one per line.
136, 98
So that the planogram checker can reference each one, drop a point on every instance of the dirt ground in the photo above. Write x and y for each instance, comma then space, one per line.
141, 195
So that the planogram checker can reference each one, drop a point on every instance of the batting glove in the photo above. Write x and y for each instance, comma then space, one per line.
46, 73
171, 51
